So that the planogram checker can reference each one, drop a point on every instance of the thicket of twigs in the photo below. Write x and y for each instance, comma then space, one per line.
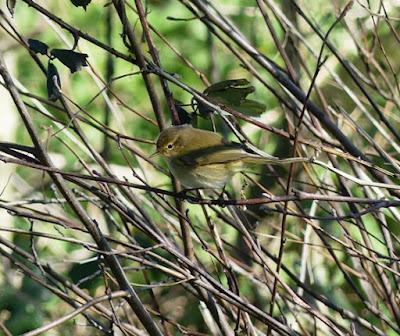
96, 238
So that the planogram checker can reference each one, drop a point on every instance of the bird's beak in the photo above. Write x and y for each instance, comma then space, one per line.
156, 153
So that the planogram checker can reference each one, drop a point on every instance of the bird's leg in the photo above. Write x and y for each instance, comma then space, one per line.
184, 193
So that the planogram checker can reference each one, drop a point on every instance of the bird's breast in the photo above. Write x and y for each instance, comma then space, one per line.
213, 176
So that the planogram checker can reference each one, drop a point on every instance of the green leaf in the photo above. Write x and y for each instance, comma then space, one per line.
86, 274
251, 107
232, 96
226, 84
232, 93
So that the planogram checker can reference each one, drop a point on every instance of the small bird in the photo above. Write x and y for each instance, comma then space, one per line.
204, 159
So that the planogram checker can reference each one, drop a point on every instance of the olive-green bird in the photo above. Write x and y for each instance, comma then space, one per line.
204, 159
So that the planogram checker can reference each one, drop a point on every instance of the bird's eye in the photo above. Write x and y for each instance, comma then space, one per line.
170, 146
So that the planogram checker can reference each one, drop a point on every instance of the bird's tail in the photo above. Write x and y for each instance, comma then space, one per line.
275, 161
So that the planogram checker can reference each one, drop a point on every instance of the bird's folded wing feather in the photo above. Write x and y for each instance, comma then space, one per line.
220, 154
230, 153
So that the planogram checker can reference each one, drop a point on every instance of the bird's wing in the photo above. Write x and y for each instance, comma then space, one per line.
220, 154
230, 153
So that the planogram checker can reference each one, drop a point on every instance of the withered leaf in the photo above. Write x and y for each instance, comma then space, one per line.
11, 6
38, 46
53, 82
81, 3
73, 60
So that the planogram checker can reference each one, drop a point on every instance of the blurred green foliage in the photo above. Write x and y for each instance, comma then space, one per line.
190, 37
